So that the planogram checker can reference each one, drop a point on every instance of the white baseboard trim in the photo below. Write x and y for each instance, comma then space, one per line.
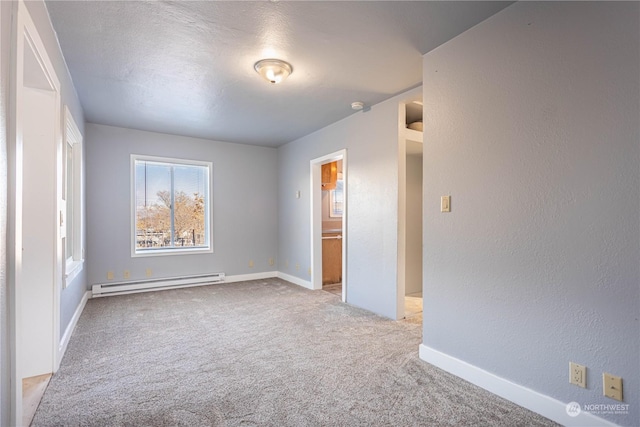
525, 397
64, 341
295, 280
252, 276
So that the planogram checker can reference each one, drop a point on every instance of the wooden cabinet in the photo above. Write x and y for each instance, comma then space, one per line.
329, 175
331, 258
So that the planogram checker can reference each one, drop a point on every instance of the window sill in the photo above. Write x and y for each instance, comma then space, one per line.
164, 252
72, 269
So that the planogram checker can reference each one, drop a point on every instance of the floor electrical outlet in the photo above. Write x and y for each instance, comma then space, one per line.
578, 374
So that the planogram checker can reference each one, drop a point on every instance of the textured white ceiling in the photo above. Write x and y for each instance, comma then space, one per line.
186, 68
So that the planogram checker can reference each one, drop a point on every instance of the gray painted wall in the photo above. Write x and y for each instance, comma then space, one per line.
244, 205
72, 294
371, 140
413, 252
531, 124
5, 375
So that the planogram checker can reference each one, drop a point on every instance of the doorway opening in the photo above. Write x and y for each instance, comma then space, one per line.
410, 262
413, 241
329, 223
332, 233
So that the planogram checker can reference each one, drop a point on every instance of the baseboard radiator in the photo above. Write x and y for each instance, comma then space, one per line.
121, 288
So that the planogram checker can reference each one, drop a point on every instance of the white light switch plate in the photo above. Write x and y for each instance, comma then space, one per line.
445, 204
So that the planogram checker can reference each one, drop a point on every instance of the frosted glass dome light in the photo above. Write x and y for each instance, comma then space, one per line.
273, 70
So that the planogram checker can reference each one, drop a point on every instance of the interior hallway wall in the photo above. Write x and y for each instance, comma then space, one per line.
532, 125
371, 140
5, 374
70, 296
413, 252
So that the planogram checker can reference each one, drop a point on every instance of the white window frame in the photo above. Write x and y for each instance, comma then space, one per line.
208, 208
74, 261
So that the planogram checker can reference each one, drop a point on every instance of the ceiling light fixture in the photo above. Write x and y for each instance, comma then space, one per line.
273, 70
358, 105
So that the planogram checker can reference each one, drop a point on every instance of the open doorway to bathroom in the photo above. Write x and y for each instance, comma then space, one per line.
332, 211
328, 223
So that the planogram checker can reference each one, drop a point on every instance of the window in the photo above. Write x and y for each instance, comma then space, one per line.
171, 206
336, 200
72, 199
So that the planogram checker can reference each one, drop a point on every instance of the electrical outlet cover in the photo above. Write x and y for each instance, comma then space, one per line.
578, 374
612, 386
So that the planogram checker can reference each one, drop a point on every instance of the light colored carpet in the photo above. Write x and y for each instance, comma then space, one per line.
258, 353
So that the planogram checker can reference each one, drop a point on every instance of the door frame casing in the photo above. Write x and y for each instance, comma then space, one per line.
316, 218
24, 35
